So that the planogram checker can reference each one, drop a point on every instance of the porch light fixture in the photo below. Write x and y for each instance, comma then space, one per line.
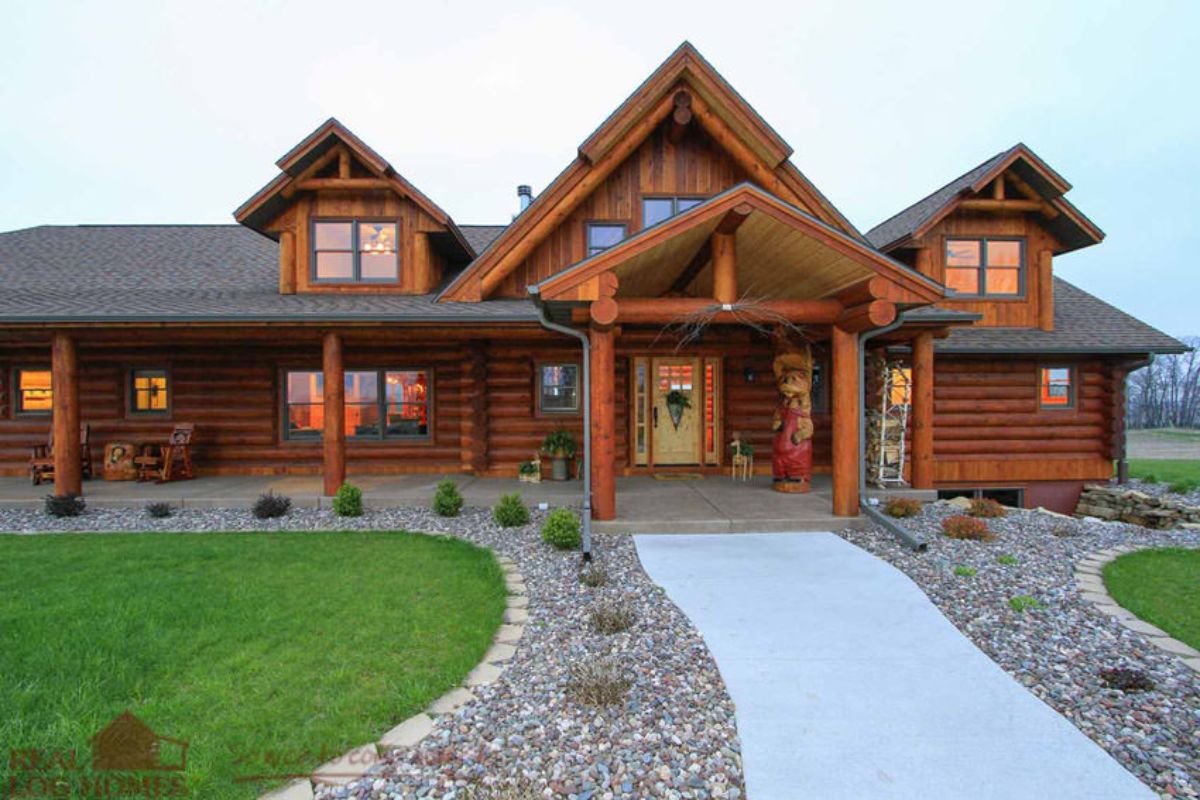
749, 374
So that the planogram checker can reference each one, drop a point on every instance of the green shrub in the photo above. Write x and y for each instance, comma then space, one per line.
510, 512
965, 572
447, 501
561, 529
559, 443
1022, 602
1182, 487
1150, 477
348, 501
964, 527
66, 505
271, 505
1007, 560
159, 510
901, 507
986, 508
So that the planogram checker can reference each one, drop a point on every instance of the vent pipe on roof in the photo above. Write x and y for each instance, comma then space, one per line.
524, 197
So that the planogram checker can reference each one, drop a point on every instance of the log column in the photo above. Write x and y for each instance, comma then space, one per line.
847, 394
724, 262
604, 423
334, 441
922, 411
64, 386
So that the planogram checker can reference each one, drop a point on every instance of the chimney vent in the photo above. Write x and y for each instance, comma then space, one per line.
524, 197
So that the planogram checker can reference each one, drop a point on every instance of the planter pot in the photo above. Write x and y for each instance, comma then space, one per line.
531, 477
558, 469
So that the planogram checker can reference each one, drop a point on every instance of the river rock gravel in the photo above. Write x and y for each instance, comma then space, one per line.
1058, 650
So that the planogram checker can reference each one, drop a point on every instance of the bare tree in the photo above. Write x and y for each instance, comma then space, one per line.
1166, 394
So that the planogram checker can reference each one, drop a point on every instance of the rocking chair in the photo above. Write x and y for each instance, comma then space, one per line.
169, 461
41, 459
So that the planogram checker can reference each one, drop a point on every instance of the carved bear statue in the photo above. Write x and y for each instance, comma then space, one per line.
791, 466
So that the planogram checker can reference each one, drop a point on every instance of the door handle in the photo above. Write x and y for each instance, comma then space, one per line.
654, 414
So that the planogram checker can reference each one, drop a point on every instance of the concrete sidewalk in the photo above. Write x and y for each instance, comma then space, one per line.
849, 683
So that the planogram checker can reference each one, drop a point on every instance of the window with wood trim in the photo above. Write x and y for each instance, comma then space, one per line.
149, 391
603, 235
355, 251
986, 267
659, 209
33, 391
379, 404
558, 388
1056, 387
304, 411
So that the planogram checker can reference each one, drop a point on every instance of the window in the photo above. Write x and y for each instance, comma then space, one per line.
819, 394
657, 209
1013, 498
558, 388
1057, 387
380, 404
148, 391
603, 235
34, 394
993, 267
354, 251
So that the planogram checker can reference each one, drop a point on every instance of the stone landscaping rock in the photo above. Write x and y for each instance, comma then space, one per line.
483, 675
408, 733
349, 767
509, 634
451, 701
1135, 507
516, 615
499, 653
296, 790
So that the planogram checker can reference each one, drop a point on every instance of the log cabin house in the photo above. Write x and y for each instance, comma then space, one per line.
347, 324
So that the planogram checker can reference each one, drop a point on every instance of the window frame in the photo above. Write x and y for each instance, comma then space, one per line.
356, 254
131, 408
541, 410
982, 269
18, 409
674, 198
1072, 388
602, 223
380, 403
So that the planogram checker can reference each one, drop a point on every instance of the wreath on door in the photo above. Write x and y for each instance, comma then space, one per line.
677, 402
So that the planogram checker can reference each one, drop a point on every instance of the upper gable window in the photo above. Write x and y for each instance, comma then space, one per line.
355, 251
603, 235
657, 209
986, 267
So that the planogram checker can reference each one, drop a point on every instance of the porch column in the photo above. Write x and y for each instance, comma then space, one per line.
847, 395
724, 265
604, 424
922, 411
64, 387
334, 441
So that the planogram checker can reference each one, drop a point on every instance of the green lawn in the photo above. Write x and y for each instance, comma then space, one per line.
1174, 434
267, 652
1182, 476
1162, 587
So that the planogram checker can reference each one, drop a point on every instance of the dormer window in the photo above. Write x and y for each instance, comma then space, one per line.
986, 267
658, 209
603, 235
355, 251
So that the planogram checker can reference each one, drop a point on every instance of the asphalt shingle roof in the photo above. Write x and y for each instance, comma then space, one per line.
481, 236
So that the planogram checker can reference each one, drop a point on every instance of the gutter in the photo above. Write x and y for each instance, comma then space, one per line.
911, 539
1123, 461
586, 346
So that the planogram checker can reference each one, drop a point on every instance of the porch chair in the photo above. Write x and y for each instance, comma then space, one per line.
41, 458
170, 460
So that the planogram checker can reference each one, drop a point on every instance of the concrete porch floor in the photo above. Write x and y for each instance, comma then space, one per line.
713, 504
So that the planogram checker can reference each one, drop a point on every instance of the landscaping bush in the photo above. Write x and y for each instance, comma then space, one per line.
447, 501
598, 683
1007, 560
348, 501
159, 510
964, 527
965, 572
1126, 679
510, 512
901, 507
988, 509
1182, 487
67, 505
1022, 602
593, 577
271, 505
561, 529
612, 617
1065, 530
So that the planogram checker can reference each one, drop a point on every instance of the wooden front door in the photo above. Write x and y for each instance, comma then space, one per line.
676, 442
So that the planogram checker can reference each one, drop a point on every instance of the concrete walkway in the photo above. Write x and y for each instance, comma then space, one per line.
849, 683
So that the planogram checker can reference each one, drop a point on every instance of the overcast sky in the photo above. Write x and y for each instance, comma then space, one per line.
122, 112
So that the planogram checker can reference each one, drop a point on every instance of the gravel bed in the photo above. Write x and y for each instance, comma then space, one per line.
1191, 498
674, 736
1058, 650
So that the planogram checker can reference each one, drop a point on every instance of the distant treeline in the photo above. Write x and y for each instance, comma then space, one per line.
1166, 394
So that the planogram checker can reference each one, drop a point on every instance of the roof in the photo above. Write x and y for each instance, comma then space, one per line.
1082, 324
481, 236
184, 273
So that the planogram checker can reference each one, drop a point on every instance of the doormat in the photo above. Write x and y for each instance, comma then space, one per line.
678, 476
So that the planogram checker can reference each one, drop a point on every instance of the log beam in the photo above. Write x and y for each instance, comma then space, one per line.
1045, 292
309, 171
343, 184
64, 387
287, 262
846, 396
343, 163
694, 267
665, 310
604, 425
681, 116
1016, 206
333, 446
875, 314
922, 411
724, 260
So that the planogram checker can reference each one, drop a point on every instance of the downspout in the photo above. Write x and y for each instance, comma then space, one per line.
1123, 461
587, 413
911, 539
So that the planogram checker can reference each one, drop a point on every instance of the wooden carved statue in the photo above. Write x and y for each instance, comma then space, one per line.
791, 466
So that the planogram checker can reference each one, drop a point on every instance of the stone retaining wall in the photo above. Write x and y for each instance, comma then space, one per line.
1136, 508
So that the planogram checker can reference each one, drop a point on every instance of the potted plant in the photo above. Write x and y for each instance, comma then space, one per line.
559, 444
530, 471
677, 402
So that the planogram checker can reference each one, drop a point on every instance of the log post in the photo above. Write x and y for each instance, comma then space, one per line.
1045, 293
287, 262
475, 421
922, 410
846, 398
334, 442
603, 432
64, 388
724, 261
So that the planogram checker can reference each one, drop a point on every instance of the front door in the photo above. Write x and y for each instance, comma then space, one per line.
675, 414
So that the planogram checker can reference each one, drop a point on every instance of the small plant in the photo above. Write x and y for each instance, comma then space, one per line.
741, 447
559, 443
271, 505
901, 507
1064, 530
965, 572
1022, 602
598, 683
1182, 487
348, 501
593, 577
1126, 679
1149, 477
961, 526
612, 617
561, 529
159, 510
986, 508
447, 500
1007, 560
527, 468
510, 512
65, 505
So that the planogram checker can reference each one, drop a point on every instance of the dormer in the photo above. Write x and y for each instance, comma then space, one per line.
347, 221
991, 236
